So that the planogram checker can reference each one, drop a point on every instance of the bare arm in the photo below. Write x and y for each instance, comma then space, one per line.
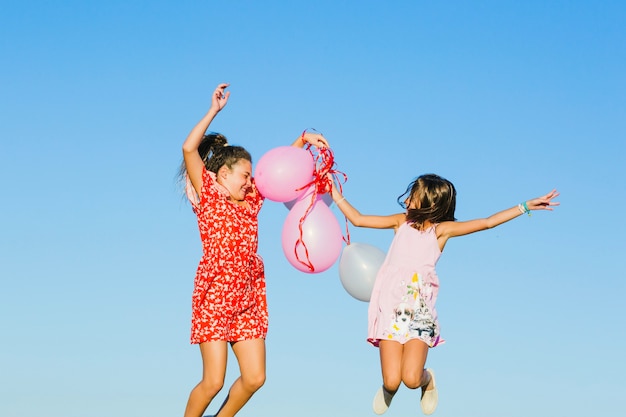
366, 220
193, 161
447, 230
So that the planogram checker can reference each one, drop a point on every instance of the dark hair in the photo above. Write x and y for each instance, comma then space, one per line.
435, 196
216, 153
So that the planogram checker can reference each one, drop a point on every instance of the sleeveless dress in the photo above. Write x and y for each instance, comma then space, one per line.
402, 304
228, 300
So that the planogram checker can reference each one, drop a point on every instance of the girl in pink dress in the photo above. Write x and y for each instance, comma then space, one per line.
228, 302
402, 319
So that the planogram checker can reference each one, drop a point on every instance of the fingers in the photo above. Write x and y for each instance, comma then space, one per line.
552, 194
320, 141
220, 93
546, 202
316, 139
220, 97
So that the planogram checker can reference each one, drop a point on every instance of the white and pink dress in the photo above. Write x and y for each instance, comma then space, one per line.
402, 304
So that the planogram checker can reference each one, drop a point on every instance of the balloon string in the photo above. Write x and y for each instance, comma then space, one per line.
323, 175
300, 240
335, 176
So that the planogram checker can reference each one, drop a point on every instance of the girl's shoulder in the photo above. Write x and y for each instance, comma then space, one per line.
442, 228
211, 190
400, 219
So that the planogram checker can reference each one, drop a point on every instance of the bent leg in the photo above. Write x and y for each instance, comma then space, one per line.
413, 361
391, 354
415, 376
390, 365
251, 357
214, 357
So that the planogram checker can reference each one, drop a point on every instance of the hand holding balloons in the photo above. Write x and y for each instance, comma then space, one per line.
311, 236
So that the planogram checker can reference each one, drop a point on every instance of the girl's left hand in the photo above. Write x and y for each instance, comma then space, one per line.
315, 139
220, 97
545, 202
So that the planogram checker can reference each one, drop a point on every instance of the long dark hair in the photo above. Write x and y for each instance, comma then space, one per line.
216, 153
435, 196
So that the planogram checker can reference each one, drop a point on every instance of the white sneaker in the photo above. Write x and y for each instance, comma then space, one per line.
380, 405
430, 398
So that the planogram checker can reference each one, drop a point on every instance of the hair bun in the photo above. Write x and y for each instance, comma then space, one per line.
210, 143
219, 140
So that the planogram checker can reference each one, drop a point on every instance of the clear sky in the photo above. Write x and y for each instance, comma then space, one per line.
507, 99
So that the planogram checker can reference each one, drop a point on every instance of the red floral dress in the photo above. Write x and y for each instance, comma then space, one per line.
228, 301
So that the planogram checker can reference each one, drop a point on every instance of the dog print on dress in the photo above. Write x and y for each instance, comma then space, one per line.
413, 318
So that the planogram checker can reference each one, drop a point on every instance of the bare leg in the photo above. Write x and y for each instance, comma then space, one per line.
415, 376
391, 354
251, 357
413, 360
214, 357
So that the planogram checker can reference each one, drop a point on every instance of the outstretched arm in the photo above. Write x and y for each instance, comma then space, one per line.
447, 230
193, 161
365, 220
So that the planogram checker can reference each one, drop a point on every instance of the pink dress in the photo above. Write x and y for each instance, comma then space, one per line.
402, 304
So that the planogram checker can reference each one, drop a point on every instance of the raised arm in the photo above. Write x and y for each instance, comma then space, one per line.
193, 161
447, 230
366, 220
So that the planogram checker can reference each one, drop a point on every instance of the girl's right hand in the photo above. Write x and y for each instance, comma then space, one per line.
315, 139
220, 97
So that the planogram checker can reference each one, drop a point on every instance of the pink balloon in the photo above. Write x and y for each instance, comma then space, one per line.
326, 198
320, 233
282, 172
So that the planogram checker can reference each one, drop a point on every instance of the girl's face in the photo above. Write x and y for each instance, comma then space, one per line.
237, 180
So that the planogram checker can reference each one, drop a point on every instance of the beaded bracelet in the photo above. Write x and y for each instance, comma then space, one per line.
523, 208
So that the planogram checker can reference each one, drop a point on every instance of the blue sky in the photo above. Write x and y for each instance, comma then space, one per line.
507, 99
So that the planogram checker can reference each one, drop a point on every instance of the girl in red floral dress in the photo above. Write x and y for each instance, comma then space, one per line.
228, 301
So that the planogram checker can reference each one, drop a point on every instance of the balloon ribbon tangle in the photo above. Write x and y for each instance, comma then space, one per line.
323, 177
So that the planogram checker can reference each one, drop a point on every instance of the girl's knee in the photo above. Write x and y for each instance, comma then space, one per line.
391, 383
413, 379
210, 387
412, 383
253, 382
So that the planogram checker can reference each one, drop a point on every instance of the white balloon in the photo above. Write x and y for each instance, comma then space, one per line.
358, 266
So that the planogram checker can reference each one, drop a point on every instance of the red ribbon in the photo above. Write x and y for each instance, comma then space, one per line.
323, 177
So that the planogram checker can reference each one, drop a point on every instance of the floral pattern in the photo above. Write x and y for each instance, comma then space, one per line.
229, 299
